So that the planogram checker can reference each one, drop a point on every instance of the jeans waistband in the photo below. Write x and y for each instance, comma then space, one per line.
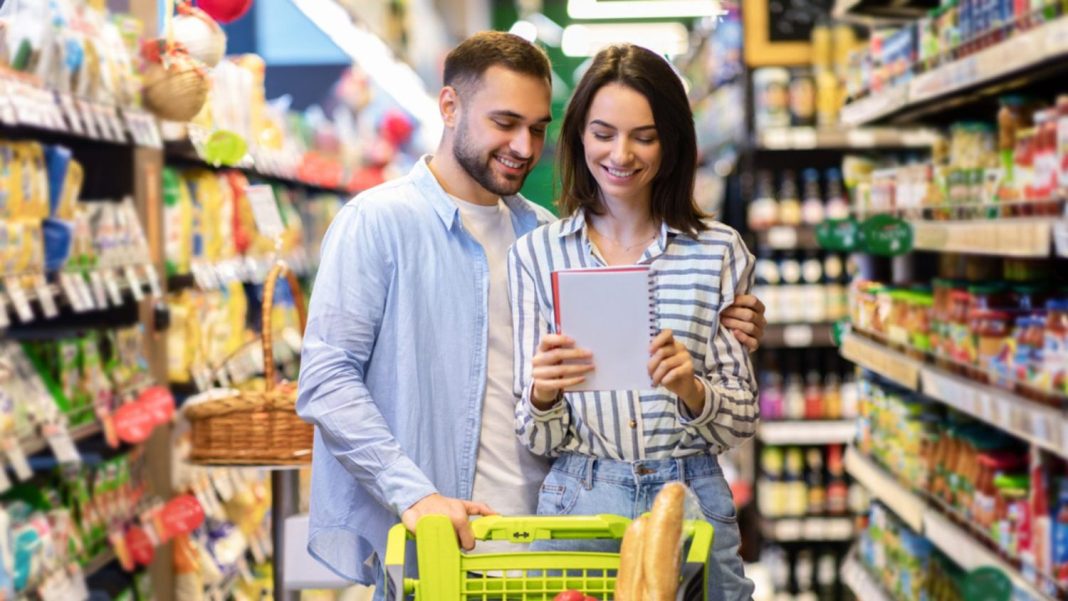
644, 471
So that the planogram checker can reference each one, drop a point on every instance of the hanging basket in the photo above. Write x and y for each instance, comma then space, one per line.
175, 86
255, 427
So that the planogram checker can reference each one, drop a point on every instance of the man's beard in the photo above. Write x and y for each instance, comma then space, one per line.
479, 168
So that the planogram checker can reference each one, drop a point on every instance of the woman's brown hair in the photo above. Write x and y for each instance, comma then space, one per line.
651, 76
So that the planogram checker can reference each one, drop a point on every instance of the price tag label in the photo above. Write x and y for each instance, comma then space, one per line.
100, 294
44, 295
153, 280
17, 457
985, 406
135, 283
782, 237
798, 335
70, 112
7, 109
265, 210
88, 119
860, 138
117, 124
62, 444
111, 282
1003, 412
1040, 427
19, 300
70, 290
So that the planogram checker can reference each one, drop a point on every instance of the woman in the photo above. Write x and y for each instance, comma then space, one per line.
628, 156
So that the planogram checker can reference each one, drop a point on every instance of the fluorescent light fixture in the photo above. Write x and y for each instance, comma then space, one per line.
549, 31
393, 76
671, 39
525, 29
643, 9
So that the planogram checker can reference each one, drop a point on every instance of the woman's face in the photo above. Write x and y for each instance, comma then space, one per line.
621, 144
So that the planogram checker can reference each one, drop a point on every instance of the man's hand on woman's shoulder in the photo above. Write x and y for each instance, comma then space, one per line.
746, 319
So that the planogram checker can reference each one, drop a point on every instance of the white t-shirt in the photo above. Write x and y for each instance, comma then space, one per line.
507, 474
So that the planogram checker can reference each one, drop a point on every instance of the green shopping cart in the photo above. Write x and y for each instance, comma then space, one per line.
448, 574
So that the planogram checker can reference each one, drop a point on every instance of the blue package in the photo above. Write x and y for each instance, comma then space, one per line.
57, 162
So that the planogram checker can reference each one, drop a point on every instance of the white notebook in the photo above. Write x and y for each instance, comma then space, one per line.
609, 311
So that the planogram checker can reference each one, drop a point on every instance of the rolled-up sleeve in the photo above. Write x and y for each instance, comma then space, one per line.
344, 320
730, 413
543, 432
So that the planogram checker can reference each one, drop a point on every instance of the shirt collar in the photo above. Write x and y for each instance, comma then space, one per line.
446, 209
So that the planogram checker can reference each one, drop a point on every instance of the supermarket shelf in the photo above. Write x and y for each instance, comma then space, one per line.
810, 138
871, 12
909, 507
860, 581
798, 335
815, 432
1038, 424
37, 444
1025, 237
788, 237
99, 562
955, 542
886, 362
808, 529
1044, 47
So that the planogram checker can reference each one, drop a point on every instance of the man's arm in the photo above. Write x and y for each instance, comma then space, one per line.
344, 320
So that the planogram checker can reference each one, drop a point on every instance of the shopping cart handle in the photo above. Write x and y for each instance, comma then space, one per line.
524, 529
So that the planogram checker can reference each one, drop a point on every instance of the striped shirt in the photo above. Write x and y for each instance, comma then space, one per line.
693, 280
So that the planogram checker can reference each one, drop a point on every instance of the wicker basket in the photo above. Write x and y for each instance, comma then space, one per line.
177, 91
255, 427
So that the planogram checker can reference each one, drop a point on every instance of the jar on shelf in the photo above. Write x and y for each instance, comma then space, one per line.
1030, 337
960, 347
919, 321
896, 312
991, 328
1055, 347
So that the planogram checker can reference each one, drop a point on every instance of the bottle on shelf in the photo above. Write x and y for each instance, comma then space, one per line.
837, 488
791, 298
814, 294
763, 211
771, 498
789, 200
837, 205
794, 391
814, 406
766, 284
795, 489
826, 575
817, 491
835, 287
804, 568
812, 205
771, 392
832, 393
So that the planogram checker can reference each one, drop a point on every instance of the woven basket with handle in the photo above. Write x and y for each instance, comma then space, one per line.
258, 427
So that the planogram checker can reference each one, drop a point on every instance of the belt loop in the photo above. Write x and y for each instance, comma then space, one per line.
588, 479
680, 466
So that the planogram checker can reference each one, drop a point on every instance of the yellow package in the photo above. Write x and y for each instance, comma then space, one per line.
72, 189
237, 316
227, 242
179, 347
32, 182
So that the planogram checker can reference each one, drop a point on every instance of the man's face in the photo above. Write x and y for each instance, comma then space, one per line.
500, 132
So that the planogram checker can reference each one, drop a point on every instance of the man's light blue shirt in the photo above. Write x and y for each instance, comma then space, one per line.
393, 367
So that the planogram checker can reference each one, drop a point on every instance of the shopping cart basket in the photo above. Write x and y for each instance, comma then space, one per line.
447, 574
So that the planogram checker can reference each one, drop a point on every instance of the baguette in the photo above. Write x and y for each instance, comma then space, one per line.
629, 577
661, 552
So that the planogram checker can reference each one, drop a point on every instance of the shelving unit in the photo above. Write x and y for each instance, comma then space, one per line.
954, 541
813, 529
1038, 424
861, 582
1023, 58
1023, 238
811, 138
38, 444
798, 335
814, 432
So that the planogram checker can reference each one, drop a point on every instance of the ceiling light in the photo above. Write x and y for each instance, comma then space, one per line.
662, 38
392, 76
525, 29
643, 9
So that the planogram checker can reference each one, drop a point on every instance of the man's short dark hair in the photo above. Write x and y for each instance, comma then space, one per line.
467, 62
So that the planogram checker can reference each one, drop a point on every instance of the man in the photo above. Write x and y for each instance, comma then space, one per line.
407, 363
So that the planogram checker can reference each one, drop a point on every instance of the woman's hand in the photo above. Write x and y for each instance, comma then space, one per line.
550, 372
671, 366
745, 318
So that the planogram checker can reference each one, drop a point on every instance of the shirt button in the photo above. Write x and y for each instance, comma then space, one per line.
633, 424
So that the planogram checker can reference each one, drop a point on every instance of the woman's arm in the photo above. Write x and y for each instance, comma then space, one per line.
541, 430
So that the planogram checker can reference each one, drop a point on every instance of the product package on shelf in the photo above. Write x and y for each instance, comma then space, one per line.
69, 66
806, 387
1008, 494
797, 482
230, 552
